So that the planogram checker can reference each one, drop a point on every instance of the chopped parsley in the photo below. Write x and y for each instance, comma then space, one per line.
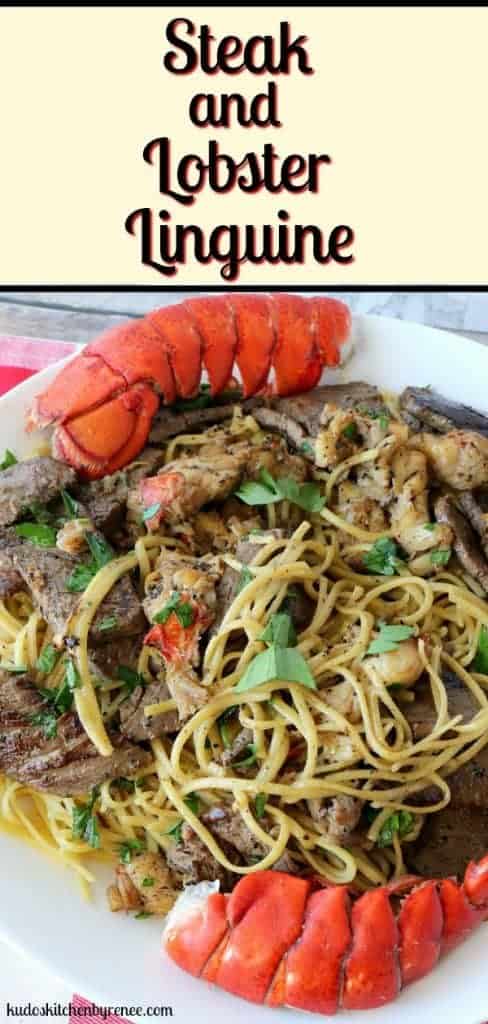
245, 577
350, 432
70, 505
110, 622
440, 556
388, 638
102, 554
181, 608
85, 822
480, 663
175, 831
259, 805
307, 448
151, 511
9, 459
201, 401
141, 916
130, 677
37, 533
223, 725
281, 660
47, 659
248, 760
400, 822
192, 801
60, 698
266, 491
129, 847
148, 881
383, 558
47, 720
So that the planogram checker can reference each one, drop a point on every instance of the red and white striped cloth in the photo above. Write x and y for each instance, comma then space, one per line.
19, 359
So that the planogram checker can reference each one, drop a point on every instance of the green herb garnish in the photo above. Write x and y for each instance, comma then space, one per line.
430, 527
401, 822
48, 721
141, 916
280, 661
101, 550
71, 506
248, 760
223, 725
266, 491
480, 663
306, 448
109, 623
37, 533
80, 578
9, 459
182, 609
85, 823
388, 638
130, 677
47, 659
259, 805
148, 882
201, 401
175, 831
193, 802
440, 556
350, 432
245, 577
151, 511
383, 558
129, 847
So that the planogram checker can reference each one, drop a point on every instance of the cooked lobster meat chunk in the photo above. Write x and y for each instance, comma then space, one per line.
459, 458
143, 883
410, 512
34, 480
184, 487
337, 817
465, 541
54, 754
191, 861
47, 573
426, 407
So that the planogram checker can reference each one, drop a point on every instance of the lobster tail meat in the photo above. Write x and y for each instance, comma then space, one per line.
103, 401
280, 941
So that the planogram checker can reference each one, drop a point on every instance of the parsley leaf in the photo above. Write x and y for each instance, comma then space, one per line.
129, 847
109, 622
280, 631
223, 725
175, 831
307, 448
266, 491
151, 511
193, 802
47, 659
260, 804
130, 677
9, 459
80, 577
247, 761
440, 556
388, 638
101, 550
480, 663
85, 823
245, 577
37, 533
102, 553
283, 663
148, 881
182, 609
400, 822
70, 505
350, 432
48, 722
383, 558
142, 915
201, 401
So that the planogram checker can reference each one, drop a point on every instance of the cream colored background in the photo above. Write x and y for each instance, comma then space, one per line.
398, 100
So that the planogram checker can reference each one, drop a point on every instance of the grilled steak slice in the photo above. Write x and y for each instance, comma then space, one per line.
46, 572
33, 480
448, 841
67, 763
474, 505
10, 580
466, 543
106, 660
469, 784
428, 408
168, 423
136, 725
104, 501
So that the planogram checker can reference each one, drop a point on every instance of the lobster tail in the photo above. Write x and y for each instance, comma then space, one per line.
103, 401
279, 942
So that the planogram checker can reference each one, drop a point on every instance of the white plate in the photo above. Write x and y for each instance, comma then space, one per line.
116, 960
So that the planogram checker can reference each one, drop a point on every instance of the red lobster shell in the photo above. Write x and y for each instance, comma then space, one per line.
280, 941
103, 401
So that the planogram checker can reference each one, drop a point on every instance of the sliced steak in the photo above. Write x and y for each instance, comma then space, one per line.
428, 408
46, 572
106, 660
168, 423
466, 543
469, 784
67, 763
300, 418
34, 480
228, 826
448, 841
105, 500
136, 725
192, 861
474, 505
